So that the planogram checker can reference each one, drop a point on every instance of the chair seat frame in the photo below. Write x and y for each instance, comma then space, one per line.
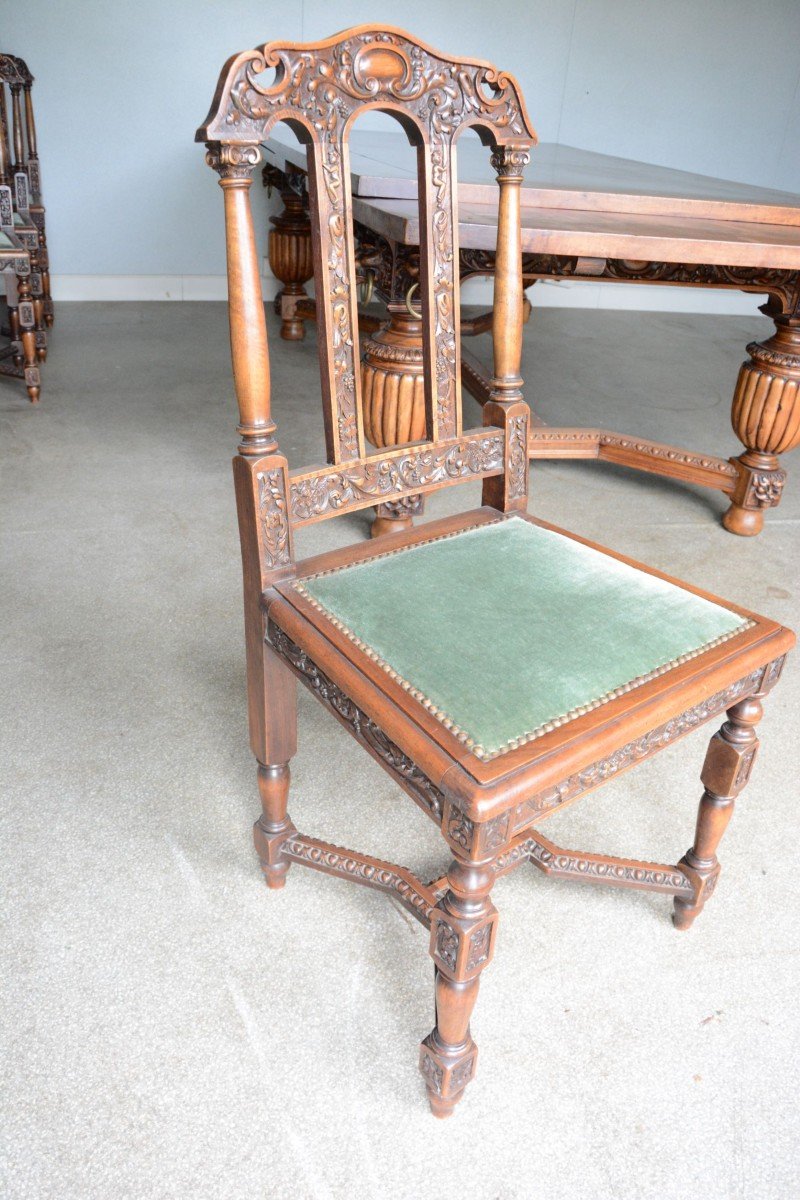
486, 807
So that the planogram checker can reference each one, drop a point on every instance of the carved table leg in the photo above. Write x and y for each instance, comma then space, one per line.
463, 928
766, 418
393, 401
273, 826
726, 770
291, 261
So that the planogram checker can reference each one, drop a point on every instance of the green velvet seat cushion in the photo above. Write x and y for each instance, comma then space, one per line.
507, 628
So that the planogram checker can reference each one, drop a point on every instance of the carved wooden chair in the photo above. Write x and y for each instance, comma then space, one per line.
497, 667
19, 168
18, 356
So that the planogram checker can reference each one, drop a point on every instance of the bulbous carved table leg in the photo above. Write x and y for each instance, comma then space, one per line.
393, 399
463, 928
291, 261
766, 418
726, 770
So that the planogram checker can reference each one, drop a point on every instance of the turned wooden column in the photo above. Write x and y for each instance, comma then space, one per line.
16, 121
5, 152
290, 255
249, 353
506, 407
260, 476
766, 419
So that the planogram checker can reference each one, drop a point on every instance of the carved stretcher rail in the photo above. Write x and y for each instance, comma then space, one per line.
412, 893
404, 471
592, 868
641, 453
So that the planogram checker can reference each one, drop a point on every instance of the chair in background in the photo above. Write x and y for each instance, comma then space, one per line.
497, 668
19, 168
18, 357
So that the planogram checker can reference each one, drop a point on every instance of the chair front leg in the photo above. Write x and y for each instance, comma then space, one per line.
726, 770
463, 928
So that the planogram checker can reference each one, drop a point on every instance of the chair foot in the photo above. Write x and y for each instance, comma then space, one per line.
726, 770
447, 1071
273, 826
684, 913
745, 522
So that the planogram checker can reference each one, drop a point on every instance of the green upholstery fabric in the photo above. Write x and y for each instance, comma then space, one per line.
507, 627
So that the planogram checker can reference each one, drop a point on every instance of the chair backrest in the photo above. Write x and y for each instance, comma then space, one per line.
18, 136
319, 89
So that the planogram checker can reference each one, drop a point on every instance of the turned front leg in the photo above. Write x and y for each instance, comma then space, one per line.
726, 770
463, 930
766, 419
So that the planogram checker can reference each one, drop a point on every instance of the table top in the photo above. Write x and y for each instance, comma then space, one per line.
382, 165
577, 202
584, 233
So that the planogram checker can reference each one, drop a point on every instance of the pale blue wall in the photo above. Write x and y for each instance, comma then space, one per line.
708, 86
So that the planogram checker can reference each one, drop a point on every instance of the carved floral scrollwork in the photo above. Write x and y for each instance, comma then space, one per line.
517, 467
479, 946
782, 284
273, 518
379, 478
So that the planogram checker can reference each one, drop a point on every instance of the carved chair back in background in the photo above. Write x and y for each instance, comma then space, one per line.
483, 777
20, 170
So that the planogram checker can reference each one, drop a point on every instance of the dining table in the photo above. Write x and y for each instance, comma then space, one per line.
585, 216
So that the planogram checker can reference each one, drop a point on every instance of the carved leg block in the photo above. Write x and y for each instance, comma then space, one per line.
463, 929
726, 770
273, 826
766, 419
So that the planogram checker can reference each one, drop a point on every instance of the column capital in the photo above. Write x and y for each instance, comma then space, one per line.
233, 162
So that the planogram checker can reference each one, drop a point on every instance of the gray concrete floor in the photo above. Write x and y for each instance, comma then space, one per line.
174, 1030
